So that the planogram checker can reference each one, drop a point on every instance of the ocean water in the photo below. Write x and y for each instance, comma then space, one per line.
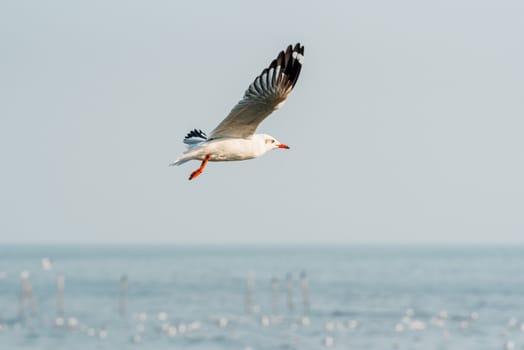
268, 297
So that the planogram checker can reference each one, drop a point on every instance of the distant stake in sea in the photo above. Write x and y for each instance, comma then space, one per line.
60, 286
274, 295
122, 299
26, 296
304, 283
249, 292
289, 288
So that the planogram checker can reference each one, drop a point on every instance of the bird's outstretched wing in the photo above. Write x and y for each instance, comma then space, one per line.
265, 95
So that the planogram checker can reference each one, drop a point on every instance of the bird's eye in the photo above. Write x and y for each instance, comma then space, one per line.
272, 141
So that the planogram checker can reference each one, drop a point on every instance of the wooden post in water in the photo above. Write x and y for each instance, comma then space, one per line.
249, 291
274, 295
26, 296
289, 289
21, 298
304, 283
60, 286
122, 301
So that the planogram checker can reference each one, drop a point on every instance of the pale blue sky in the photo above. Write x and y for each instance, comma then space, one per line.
406, 125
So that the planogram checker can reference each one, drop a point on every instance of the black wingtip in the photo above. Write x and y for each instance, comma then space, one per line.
294, 56
283, 71
196, 133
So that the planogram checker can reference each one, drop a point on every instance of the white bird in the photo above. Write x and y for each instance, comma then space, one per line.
234, 138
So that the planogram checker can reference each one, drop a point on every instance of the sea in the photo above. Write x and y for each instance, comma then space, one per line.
247, 297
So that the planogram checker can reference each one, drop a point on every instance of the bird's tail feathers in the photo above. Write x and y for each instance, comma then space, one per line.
179, 161
194, 138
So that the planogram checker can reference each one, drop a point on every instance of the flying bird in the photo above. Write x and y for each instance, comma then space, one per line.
234, 138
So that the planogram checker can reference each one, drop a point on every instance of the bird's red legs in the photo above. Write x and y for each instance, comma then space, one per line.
201, 169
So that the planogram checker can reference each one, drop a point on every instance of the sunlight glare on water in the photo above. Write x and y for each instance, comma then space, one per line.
366, 297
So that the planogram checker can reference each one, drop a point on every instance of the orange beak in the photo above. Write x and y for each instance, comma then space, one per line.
283, 146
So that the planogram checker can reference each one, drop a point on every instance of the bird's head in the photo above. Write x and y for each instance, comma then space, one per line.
269, 142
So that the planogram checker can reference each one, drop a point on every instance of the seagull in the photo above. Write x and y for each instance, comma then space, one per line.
234, 138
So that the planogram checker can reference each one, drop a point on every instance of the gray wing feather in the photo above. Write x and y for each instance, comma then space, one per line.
265, 95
